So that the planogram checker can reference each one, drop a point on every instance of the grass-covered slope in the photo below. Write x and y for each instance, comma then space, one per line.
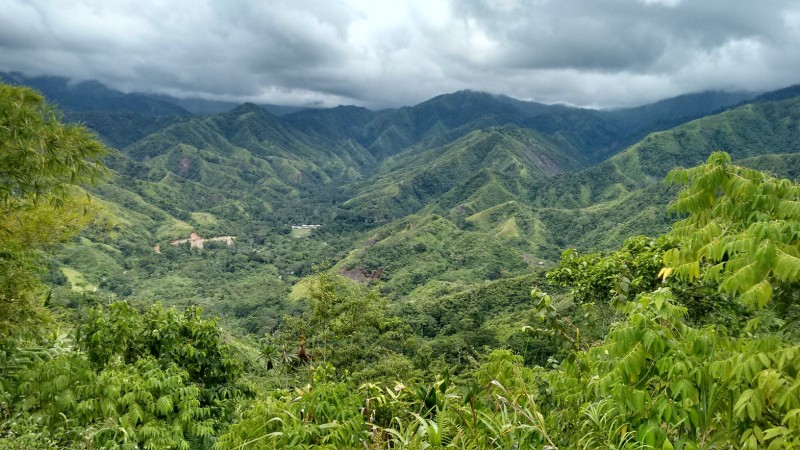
418, 250
750, 130
261, 135
625, 195
500, 161
593, 134
527, 216
247, 155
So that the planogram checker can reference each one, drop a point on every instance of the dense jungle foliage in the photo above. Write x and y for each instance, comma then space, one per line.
686, 340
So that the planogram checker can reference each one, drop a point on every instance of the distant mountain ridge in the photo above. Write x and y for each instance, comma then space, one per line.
93, 96
431, 123
202, 107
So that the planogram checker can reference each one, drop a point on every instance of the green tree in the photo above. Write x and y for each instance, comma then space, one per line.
157, 379
347, 327
118, 334
599, 282
142, 405
613, 278
656, 381
42, 163
741, 230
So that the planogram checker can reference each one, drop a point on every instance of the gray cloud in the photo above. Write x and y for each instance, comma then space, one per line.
601, 53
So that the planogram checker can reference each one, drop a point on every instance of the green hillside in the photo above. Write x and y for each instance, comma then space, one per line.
418, 250
493, 202
250, 130
510, 156
750, 130
593, 134
533, 215
600, 206
241, 165
340, 123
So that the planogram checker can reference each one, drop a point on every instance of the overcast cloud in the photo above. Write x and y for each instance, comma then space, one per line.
596, 53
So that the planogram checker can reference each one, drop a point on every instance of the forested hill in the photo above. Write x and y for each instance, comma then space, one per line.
440, 120
435, 197
753, 129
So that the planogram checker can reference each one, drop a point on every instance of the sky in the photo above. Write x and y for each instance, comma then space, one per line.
383, 53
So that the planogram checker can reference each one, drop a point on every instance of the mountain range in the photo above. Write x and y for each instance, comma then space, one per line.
423, 201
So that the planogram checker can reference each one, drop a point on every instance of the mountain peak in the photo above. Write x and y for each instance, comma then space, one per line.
247, 107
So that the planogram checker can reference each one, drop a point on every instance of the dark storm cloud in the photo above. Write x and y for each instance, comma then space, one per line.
614, 35
590, 52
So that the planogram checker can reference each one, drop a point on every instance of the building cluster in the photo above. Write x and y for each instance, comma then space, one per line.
196, 241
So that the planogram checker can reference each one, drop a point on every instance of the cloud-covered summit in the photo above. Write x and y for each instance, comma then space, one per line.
602, 53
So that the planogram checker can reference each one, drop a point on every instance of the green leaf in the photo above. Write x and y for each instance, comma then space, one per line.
164, 405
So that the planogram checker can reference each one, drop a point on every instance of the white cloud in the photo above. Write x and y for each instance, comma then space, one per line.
390, 53
667, 3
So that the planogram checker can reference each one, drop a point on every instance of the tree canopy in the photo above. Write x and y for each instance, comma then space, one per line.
741, 230
42, 164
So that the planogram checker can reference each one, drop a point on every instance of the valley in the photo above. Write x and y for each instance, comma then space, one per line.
443, 196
